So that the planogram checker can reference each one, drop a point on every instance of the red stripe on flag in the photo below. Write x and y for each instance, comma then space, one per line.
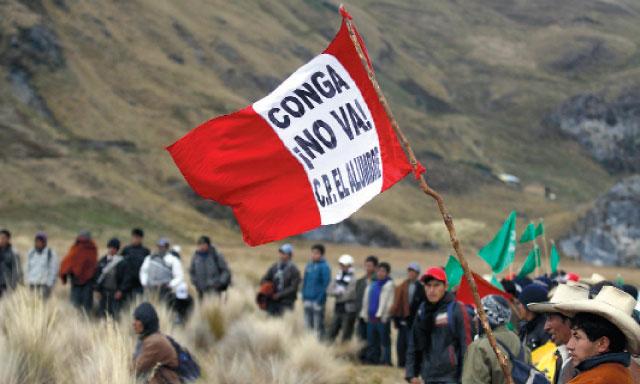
238, 160
485, 288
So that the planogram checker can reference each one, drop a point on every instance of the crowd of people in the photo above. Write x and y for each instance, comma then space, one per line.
562, 328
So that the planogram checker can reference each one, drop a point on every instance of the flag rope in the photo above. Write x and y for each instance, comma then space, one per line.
446, 216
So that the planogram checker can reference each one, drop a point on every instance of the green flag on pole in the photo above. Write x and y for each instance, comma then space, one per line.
530, 263
499, 253
529, 234
540, 229
454, 272
554, 259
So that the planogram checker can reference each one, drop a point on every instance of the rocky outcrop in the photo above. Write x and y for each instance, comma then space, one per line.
610, 233
610, 131
356, 231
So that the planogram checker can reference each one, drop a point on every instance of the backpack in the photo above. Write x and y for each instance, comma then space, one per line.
521, 372
471, 313
188, 369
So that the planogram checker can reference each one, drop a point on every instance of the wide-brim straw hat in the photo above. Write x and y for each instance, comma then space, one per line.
614, 305
594, 279
563, 293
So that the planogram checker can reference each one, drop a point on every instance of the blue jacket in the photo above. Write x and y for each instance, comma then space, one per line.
317, 276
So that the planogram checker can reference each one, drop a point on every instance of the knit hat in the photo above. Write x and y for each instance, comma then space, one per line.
84, 235
497, 310
533, 293
286, 249
113, 243
41, 236
162, 242
148, 316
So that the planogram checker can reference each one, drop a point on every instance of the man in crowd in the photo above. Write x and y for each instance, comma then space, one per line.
558, 326
603, 336
317, 276
134, 255
209, 271
10, 269
531, 329
41, 270
343, 288
79, 266
285, 277
154, 358
161, 272
441, 332
481, 366
110, 277
370, 267
376, 309
408, 298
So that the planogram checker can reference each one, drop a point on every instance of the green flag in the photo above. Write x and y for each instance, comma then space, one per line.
530, 263
454, 272
499, 253
496, 283
529, 234
554, 259
540, 229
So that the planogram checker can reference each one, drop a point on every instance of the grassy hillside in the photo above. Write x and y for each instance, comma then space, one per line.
91, 92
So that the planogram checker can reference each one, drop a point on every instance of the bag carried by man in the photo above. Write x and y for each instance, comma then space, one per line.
521, 372
188, 369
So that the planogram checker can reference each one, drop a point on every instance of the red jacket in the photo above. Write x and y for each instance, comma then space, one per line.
80, 262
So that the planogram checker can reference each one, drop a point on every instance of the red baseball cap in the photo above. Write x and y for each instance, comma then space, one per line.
436, 273
572, 276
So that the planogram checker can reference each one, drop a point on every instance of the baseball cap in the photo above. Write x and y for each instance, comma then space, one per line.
286, 248
414, 267
163, 242
436, 273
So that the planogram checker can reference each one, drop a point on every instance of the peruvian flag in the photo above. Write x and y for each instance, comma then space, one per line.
485, 288
310, 153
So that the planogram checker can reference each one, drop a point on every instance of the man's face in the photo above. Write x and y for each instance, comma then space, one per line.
581, 348
136, 240
316, 255
412, 275
558, 328
162, 249
370, 268
4, 240
39, 244
435, 290
382, 273
138, 327
112, 251
344, 267
284, 257
203, 247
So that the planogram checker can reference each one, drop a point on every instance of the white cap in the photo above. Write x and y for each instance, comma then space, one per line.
182, 291
346, 260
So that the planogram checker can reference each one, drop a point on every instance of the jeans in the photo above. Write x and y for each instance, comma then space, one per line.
342, 321
82, 297
361, 333
314, 317
404, 332
379, 342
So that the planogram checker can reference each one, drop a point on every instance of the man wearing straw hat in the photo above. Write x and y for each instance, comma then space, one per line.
604, 334
558, 326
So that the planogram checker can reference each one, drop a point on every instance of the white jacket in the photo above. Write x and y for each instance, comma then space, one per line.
387, 294
170, 261
41, 268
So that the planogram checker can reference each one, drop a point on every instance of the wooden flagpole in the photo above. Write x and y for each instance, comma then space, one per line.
444, 211
544, 248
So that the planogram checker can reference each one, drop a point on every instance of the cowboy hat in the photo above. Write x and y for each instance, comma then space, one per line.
563, 293
614, 305
594, 279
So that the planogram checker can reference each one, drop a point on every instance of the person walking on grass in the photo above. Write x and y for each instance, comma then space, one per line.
317, 276
376, 309
154, 358
79, 267
161, 272
134, 255
209, 271
408, 297
343, 288
285, 278
442, 331
42, 265
10, 268
110, 276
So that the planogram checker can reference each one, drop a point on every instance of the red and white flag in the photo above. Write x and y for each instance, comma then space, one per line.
310, 153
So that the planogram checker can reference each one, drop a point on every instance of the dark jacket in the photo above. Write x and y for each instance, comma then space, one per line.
209, 271
10, 268
441, 359
532, 333
317, 276
609, 368
403, 309
156, 360
286, 280
133, 258
111, 279
361, 287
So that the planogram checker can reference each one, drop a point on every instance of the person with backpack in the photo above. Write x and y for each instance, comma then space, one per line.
42, 264
408, 297
161, 272
343, 288
154, 359
376, 309
110, 275
209, 271
10, 268
442, 331
317, 276
285, 278
79, 267
134, 255
481, 365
